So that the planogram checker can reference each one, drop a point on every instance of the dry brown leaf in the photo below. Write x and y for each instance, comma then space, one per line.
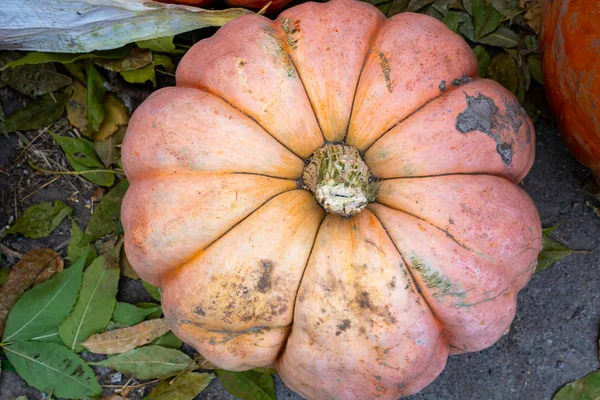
30, 269
77, 108
125, 339
98, 194
533, 13
116, 115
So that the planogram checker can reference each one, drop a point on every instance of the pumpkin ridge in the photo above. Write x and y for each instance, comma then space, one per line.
422, 106
436, 175
312, 106
410, 273
166, 174
369, 49
448, 234
205, 89
177, 269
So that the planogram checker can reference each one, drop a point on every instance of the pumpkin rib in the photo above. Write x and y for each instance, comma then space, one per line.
175, 270
205, 89
448, 234
375, 34
438, 175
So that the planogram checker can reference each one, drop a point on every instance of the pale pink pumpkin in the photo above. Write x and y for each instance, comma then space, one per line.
347, 300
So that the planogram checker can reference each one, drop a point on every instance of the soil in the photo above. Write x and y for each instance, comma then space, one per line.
552, 341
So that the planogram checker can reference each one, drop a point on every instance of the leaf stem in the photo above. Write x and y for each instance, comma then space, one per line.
47, 171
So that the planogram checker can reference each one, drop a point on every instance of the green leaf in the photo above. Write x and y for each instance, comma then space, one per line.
36, 80
38, 221
107, 217
149, 362
586, 388
501, 37
483, 59
82, 157
155, 314
163, 61
466, 28
503, 70
94, 307
52, 368
507, 8
552, 251
40, 310
40, 113
7, 366
485, 18
468, 6
153, 290
63, 58
168, 340
535, 68
137, 58
95, 98
77, 70
128, 314
160, 45
393, 7
140, 75
185, 387
79, 247
248, 385
3, 275
452, 20
416, 5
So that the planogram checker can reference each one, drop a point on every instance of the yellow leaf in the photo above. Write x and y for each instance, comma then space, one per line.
77, 108
116, 115
125, 339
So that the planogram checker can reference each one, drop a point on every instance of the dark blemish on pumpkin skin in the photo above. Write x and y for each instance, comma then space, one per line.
289, 32
385, 67
200, 311
392, 283
443, 87
362, 329
363, 300
462, 80
482, 115
264, 283
343, 326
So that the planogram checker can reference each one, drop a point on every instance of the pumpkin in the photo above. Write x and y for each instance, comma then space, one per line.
571, 65
333, 194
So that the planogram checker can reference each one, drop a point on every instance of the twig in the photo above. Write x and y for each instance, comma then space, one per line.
41, 187
62, 245
18, 158
47, 171
132, 386
10, 252
4, 172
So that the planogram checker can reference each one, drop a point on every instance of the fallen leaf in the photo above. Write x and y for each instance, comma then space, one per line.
155, 292
34, 57
77, 108
48, 273
184, 387
140, 75
483, 60
163, 61
503, 70
95, 97
115, 115
501, 37
82, 157
4, 272
39, 220
79, 247
98, 195
485, 18
552, 251
122, 340
533, 15
161, 45
126, 268
171, 341
507, 8
149, 362
40, 310
535, 68
107, 216
109, 150
23, 275
40, 113
415, 5
137, 58
52, 368
586, 388
36, 80
96, 301
128, 314
248, 385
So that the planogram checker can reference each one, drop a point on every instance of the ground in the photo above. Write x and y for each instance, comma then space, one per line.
552, 341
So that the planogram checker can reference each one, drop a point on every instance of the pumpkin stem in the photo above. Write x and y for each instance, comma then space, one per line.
340, 180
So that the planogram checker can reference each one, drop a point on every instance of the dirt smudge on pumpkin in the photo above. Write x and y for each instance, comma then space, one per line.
290, 30
264, 283
483, 115
200, 311
463, 80
443, 86
385, 68
343, 326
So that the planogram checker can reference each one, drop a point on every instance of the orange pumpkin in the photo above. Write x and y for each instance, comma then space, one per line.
570, 47
333, 194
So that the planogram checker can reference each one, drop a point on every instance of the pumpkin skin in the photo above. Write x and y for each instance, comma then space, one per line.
255, 273
571, 64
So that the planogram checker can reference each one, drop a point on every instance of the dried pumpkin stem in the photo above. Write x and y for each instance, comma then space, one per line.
340, 180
